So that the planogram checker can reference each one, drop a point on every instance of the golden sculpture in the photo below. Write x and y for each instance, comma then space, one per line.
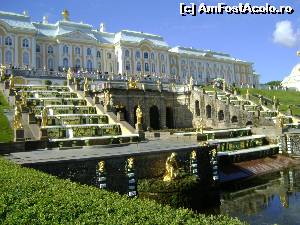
12, 82
194, 155
280, 121
65, 14
139, 115
101, 166
200, 125
284, 200
107, 98
2, 71
130, 163
171, 168
132, 84
17, 123
69, 74
23, 98
86, 84
44, 117
214, 153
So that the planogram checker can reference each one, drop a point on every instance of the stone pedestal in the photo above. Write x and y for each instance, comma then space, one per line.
43, 134
6, 85
19, 135
86, 93
69, 82
77, 87
107, 108
120, 116
140, 131
31, 118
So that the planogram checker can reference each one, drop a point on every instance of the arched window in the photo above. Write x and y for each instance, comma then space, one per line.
25, 43
182, 62
221, 115
152, 55
50, 64
99, 67
38, 63
8, 41
98, 54
234, 119
146, 55
8, 57
208, 111
25, 58
38, 48
173, 71
77, 64
197, 108
50, 49
138, 66
109, 55
153, 68
126, 53
137, 55
163, 68
77, 51
65, 63
162, 57
127, 66
89, 51
146, 67
65, 49
89, 65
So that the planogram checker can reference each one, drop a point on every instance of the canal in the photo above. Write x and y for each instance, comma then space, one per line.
268, 199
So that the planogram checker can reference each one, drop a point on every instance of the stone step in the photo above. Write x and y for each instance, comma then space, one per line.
248, 150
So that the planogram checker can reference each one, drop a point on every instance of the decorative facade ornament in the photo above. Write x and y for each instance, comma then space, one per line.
132, 84
17, 124
65, 14
171, 168
12, 82
200, 125
101, 166
107, 98
69, 74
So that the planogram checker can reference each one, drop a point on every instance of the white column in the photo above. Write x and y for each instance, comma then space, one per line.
59, 54
71, 56
44, 49
33, 53
94, 54
16, 51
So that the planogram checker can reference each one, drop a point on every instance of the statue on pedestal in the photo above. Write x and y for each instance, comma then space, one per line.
101, 166
139, 115
11, 82
17, 122
200, 125
107, 98
44, 117
69, 74
86, 84
171, 168
2, 71
23, 99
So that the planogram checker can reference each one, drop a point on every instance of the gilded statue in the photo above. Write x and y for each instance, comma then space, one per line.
101, 166
194, 155
23, 98
132, 84
139, 115
86, 84
200, 125
171, 168
213, 153
11, 82
2, 71
44, 117
130, 163
17, 123
107, 98
69, 74
279, 121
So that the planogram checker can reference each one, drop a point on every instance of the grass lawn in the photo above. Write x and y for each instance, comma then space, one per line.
286, 98
6, 132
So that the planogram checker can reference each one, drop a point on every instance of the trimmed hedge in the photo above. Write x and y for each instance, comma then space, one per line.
6, 132
32, 197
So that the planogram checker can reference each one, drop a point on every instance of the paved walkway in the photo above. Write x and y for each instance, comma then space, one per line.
90, 152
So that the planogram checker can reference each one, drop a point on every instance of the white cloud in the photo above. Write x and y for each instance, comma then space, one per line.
285, 34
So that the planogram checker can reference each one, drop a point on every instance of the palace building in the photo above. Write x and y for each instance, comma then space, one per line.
65, 44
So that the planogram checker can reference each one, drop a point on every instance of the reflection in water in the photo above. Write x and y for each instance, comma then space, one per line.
269, 199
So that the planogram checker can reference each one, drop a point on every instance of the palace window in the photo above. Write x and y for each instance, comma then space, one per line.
152, 55
50, 64
109, 55
146, 67
77, 51
99, 67
182, 62
89, 51
8, 41
25, 58
163, 68
208, 111
50, 49
77, 64
137, 55
146, 55
153, 68
173, 71
162, 57
127, 67
221, 115
38, 48
25, 43
138, 66
65, 50
89, 65
38, 63
126, 53
98, 54
65, 63
111, 68
8, 57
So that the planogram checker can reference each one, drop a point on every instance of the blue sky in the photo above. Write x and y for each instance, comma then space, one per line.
248, 37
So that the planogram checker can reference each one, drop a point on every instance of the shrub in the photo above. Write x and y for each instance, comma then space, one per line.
48, 82
32, 197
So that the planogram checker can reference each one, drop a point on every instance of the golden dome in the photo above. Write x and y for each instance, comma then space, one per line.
65, 14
